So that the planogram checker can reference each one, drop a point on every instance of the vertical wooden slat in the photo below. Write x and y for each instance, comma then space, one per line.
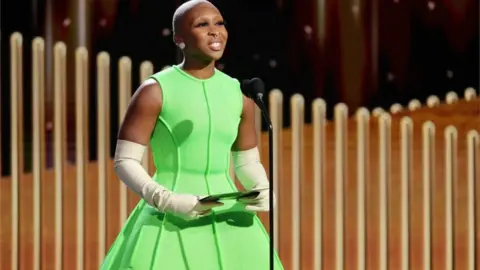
433, 101
362, 120
376, 112
470, 94
17, 151
473, 143
384, 181
125, 92
319, 110
81, 128
341, 132
297, 114
428, 146
275, 107
406, 152
396, 108
2, 130
450, 140
60, 141
451, 97
38, 151
414, 105
146, 70
103, 148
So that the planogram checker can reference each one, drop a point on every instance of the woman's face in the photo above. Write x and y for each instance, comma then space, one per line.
204, 33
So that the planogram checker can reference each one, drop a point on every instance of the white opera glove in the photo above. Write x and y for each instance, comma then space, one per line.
127, 163
260, 203
185, 205
253, 177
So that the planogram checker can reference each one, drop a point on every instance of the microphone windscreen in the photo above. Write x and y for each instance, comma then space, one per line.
257, 86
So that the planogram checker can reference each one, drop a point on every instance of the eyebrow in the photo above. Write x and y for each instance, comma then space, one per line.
203, 17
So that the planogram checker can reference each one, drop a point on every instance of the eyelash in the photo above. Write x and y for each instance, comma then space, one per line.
222, 23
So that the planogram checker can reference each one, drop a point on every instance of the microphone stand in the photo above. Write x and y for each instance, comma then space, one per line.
266, 117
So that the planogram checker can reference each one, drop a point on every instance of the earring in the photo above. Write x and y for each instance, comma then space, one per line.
181, 45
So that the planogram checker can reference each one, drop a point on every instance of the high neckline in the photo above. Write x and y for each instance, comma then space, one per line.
192, 77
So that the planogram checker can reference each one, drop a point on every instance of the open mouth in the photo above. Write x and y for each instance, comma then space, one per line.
216, 46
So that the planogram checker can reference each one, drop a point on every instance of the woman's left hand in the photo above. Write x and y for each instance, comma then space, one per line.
258, 203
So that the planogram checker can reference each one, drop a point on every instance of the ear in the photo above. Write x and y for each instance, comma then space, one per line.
177, 39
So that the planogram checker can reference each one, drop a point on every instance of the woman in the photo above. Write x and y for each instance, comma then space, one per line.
194, 116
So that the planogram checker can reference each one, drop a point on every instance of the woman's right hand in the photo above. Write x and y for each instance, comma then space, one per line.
205, 208
190, 206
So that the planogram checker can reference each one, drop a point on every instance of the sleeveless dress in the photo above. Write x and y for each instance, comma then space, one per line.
191, 146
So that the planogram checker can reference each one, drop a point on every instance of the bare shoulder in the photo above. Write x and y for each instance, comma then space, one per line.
248, 108
142, 113
149, 93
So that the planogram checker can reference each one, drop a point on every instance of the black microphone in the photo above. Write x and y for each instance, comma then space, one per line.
255, 89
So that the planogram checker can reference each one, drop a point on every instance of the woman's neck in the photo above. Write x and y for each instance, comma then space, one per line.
197, 69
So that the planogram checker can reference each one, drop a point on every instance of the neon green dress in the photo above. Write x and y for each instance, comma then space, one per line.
191, 149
